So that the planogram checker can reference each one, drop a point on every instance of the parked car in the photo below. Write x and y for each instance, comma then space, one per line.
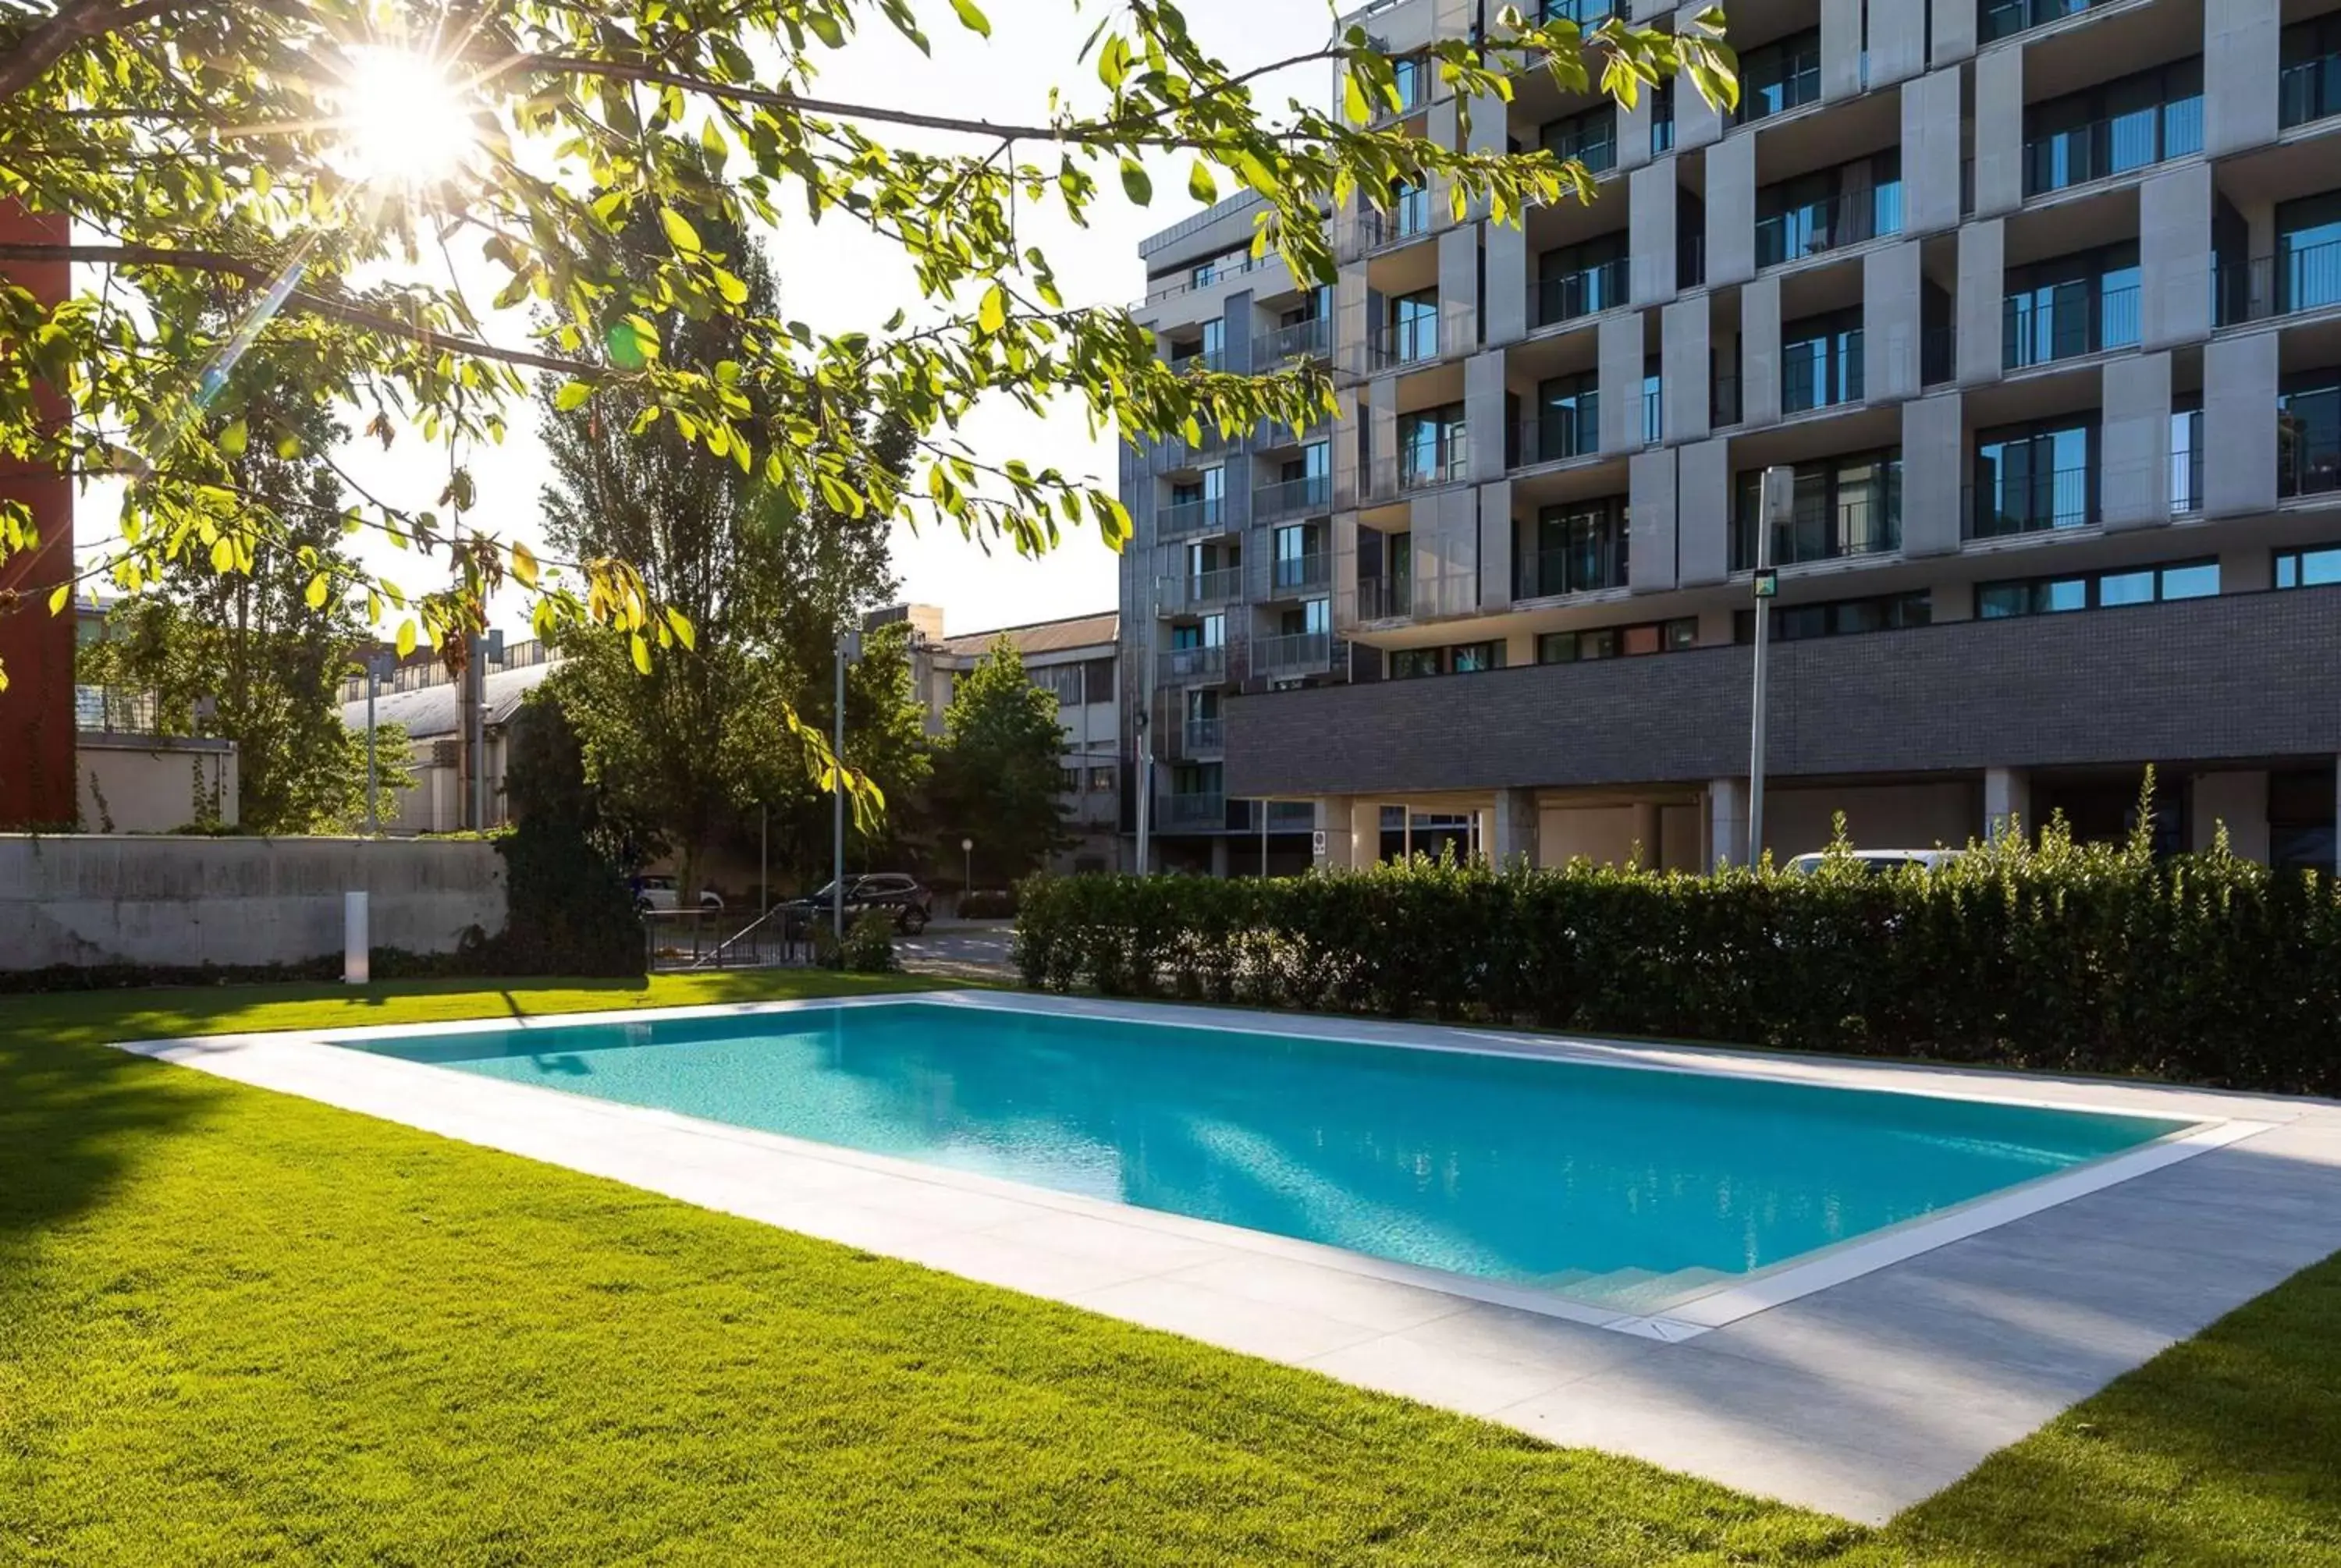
1879, 861
660, 895
901, 897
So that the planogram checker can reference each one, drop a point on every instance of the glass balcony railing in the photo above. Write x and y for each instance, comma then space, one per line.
1419, 468
1201, 737
1197, 590
1587, 568
1310, 340
2308, 91
1185, 519
2006, 18
1567, 296
1297, 574
1194, 666
2299, 278
1407, 341
1302, 497
2103, 148
1559, 434
1848, 218
2032, 503
2305, 464
2040, 328
1196, 808
1200, 360
1294, 653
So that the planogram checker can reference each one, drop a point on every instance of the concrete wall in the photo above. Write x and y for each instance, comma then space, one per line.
1651, 520
2175, 257
2239, 446
1998, 131
1732, 211
1703, 512
1930, 153
1840, 49
1650, 230
2134, 486
1876, 817
1620, 380
2241, 56
90, 898
1759, 353
1898, 40
1932, 459
1686, 377
1983, 294
147, 783
1889, 323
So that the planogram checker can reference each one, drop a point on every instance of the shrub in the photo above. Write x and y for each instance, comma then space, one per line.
869, 945
988, 904
2204, 969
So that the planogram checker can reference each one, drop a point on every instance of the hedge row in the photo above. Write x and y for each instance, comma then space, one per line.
2203, 969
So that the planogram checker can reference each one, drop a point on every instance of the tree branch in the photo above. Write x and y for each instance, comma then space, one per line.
75, 22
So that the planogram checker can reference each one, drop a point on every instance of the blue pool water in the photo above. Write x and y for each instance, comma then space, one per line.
1623, 1187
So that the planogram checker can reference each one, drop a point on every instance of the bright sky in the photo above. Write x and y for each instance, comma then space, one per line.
839, 278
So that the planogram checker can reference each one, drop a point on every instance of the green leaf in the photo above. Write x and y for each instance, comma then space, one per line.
1201, 185
571, 396
1353, 99
318, 591
234, 438
58, 600
222, 554
679, 232
641, 648
993, 314
974, 20
1134, 183
406, 637
523, 564
683, 628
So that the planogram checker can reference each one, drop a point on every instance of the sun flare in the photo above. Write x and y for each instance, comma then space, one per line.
405, 121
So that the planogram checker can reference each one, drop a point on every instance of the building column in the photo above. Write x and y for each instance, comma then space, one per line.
1727, 822
2239, 801
1333, 848
2006, 798
1365, 833
1649, 853
1220, 855
1512, 829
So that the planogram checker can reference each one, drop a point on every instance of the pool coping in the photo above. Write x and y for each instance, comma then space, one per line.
1805, 1274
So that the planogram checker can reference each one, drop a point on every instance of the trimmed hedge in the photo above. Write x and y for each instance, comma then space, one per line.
2203, 969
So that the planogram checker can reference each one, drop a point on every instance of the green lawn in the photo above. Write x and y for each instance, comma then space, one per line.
241, 1327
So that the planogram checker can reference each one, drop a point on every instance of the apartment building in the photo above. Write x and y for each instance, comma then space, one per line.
2040, 300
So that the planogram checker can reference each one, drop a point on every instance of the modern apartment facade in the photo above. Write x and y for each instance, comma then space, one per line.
2040, 300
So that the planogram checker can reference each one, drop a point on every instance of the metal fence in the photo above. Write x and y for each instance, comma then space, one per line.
680, 939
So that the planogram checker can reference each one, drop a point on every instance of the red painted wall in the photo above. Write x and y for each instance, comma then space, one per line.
38, 781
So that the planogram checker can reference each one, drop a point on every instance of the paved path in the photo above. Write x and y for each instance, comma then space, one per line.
962, 950
1863, 1396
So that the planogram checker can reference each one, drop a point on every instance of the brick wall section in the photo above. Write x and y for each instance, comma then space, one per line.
2241, 676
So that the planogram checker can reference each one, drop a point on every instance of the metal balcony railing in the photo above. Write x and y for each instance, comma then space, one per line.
1567, 296
1584, 13
2101, 149
2186, 479
2307, 92
1187, 519
1194, 666
1810, 379
2036, 332
1310, 340
1197, 809
1559, 434
2006, 18
1413, 469
2304, 465
1185, 591
1294, 653
1865, 520
1300, 574
1409, 218
1203, 277
1304, 497
1584, 568
1405, 343
1846, 218
1202, 736
2306, 278
2032, 503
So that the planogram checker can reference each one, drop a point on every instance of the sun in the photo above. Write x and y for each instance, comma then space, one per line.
402, 120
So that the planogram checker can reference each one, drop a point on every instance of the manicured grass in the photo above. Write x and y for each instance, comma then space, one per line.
236, 1327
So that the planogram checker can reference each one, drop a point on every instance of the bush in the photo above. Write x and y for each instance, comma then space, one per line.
988, 904
2203, 969
869, 945
568, 909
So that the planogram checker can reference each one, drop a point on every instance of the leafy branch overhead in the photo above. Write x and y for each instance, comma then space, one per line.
231, 234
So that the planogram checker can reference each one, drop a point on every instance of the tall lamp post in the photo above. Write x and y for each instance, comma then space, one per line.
967, 882
376, 664
848, 651
1779, 507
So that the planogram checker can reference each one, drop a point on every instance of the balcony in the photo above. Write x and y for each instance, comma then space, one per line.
1584, 13
1776, 77
1309, 495
1416, 596
1189, 519
1408, 219
2305, 464
1293, 575
1197, 809
1202, 736
2304, 279
1723, 403
1814, 375
1294, 653
1406, 342
2119, 144
1193, 666
1584, 568
1848, 218
2308, 91
1310, 340
1865, 519
1198, 590
1559, 435
1204, 277
1200, 359
1938, 356
2067, 324
2187, 478
2032, 503
1416, 469
1570, 296
2006, 18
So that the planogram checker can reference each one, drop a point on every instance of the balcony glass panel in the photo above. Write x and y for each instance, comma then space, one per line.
2132, 124
2006, 18
1779, 76
1828, 210
1590, 138
2310, 86
2308, 436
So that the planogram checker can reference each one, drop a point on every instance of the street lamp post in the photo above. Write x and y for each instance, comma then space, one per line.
848, 651
375, 665
1777, 506
967, 882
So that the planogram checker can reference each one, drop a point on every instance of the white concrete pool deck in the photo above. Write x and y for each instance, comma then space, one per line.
1857, 1384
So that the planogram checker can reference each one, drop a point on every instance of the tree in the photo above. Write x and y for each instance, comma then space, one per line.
256, 651
999, 778
297, 162
886, 741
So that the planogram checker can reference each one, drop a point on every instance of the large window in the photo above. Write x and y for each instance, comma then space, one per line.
1413, 327
2309, 252
2316, 567
2308, 433
1206, 631
1662, 117
1841, 617
1820, 360
1581, 546
1298, 559
1779, 76
2310, 87
2097, 590
2032, 477
1411, 663
1409, 209
1830, 209
1590, 137
1845, 506
1430, 446
1618, 641
2186, 454
2129, 124
2075, 304
1567, 420
1578, 280
2005, 18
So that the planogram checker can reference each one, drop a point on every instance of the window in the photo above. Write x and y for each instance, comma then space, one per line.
2075, 304
1430, 446
2308, 433
1299, 556
1228, 264
1471, 657
2186, 454
1779, 76
1568, 420
2097, 590
2300, 820
1100, 780
1590, 137
2318, 568
1313, 616
1830, 209
2006, 18
1820, 361
1064, 680
2033, 477
1618, 641
1839, 618
1413, 327
2310, 86
1849, 505
2110, 129
1069, 781
2309, 252
1096, 679
1654, 400
1409, 209
1579, 546
1662, 117
1209, 631
1411, 74
1410, 663
1577, 280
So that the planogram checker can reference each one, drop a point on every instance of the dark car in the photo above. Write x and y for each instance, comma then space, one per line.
911, 905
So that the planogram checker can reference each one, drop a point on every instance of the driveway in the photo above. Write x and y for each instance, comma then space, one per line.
962, 950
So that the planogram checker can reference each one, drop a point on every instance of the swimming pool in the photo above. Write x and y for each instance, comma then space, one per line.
1617, 1187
